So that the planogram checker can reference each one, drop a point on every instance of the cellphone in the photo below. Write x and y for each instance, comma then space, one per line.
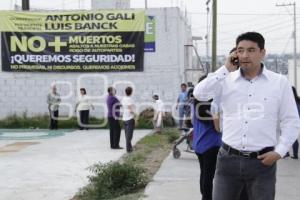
235, 61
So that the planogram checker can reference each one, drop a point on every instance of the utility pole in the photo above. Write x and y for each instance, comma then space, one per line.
25, 5
276, 59
214, 36
207, 30
146, 4
295, 41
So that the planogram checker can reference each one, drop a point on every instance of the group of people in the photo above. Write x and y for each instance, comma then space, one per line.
83, 106
238, 113
128, 117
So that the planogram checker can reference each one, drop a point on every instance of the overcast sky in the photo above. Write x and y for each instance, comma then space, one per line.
234, 17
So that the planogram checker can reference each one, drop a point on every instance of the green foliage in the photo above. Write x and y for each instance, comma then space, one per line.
113, 180
146, 117
42, 122
125, 181
144, 123
172, 134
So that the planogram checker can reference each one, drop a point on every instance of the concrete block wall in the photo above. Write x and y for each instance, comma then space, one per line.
163, 73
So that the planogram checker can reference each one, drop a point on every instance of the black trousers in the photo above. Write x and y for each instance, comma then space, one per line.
295, 148
84, 119
207, 161
114, 132
129, 127
53, 119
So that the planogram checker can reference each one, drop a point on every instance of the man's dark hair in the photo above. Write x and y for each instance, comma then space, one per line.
83, 89
202, 78
183, 84
232, 50
155, 97
297, 98
128, 91
190, 93
253, 37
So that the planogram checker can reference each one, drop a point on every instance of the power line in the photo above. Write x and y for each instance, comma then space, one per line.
240, 14
284, 22
267, 19
295, 40
281, 25
285, 46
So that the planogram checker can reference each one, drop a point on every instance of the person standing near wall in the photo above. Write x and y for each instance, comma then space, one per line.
113, 115
181, 102
128, 117
83, 105
206, 143
296, 143
159, 113
53, 100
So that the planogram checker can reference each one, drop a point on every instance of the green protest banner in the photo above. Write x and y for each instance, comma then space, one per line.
91, 41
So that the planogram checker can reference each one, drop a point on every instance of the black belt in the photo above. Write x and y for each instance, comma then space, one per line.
248, 154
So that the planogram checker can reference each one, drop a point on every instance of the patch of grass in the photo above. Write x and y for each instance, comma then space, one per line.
15, 121
172, 135
145, 123
126, 179
146, 116
113, 180
137, 157
41, 121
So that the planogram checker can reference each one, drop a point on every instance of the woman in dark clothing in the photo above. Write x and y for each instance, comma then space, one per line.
206, 143
83, 106
296, 143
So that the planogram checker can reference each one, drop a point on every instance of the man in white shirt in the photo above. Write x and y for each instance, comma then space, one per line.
128, 118
53, 101
254, 100
159, 113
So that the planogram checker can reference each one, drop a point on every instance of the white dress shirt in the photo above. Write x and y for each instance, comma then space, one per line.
127, 114
253, 109
159, 106
83, 103
216, 109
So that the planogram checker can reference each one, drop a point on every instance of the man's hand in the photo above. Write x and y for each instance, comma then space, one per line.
229, 62
269, 158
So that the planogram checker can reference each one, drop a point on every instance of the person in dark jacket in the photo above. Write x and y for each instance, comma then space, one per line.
113, 115
296, 143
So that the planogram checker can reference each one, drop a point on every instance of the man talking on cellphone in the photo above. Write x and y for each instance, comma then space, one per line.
255, 102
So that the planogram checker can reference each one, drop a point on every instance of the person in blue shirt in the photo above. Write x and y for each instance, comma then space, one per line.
181, 103
206, 143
